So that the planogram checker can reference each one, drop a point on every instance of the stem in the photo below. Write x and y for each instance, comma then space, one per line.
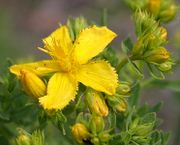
121, 64
147, 82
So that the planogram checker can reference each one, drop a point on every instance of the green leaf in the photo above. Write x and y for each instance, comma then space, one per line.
135, 94
155, 73
137, 70
127, 45
112, 119
148, 118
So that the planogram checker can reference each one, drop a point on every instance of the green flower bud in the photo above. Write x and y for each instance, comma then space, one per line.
158, 55
95, 141
121, 106
123, 89
32, 84
134, 124
96, 103
104, 137
96, 124
137, 49
168, 14
80, 132
80, 24
140, 139
143, 130
166, 66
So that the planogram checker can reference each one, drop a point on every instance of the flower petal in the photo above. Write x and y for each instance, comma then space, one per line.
40, 68
59, 43
99, 75
61, 90
92, 41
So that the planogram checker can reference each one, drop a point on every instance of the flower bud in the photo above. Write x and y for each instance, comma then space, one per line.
134, 123
80, 132
104, 137
123, 89
158, 55
95, 141
32, 84
168, 14
122, 106
143, 130
137, 49
163, 32
96, 124
96, 103
23, 140
154, 6
166, 66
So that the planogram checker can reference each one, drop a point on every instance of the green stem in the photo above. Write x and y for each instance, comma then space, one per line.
121, 64
147, 82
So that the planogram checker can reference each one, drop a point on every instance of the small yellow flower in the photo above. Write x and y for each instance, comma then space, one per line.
80, 132
71, 64
32, 84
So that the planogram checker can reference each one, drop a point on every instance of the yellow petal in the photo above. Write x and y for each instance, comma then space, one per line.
40, 68
98, 75
59, 43
92, 41
61, 90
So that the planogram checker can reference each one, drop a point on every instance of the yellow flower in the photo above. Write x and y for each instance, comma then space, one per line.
71, 63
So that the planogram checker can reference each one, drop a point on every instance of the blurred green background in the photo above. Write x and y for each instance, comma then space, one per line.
23, 24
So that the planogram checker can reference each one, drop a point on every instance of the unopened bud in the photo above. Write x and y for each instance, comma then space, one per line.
134, 123
95, 141
96, 103
154, 6
32, 84
23, 140
80, 132
123, 89
166, 66
122, 106
104, 137
158, 55
143, 130
96, 124
163, 32
168, 14
137, 49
